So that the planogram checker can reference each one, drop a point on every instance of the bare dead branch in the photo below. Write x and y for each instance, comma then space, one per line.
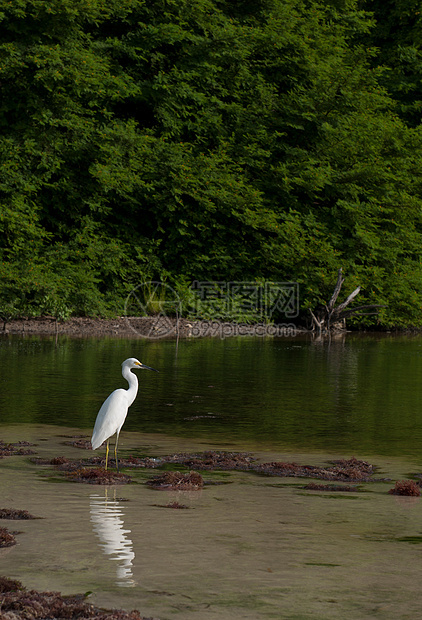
315, 320
357, 310
330, 316
336, 292
351, 297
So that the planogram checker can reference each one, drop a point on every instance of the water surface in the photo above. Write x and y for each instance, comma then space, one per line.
255, 547
360, 394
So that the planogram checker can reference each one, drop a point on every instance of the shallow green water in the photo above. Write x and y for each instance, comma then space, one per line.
253, 548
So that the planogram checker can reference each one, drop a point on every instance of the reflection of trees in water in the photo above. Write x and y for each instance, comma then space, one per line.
108, 524
338, 379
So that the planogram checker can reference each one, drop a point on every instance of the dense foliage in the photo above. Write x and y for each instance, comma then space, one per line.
211, 140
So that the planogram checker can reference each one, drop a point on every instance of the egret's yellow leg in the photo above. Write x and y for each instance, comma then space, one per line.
106, 455
115, 452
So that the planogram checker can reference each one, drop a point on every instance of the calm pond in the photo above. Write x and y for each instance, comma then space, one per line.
256, 547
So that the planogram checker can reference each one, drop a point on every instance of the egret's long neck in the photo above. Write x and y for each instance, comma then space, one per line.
132, 379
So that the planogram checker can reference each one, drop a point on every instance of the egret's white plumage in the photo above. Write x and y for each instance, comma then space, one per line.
113, 412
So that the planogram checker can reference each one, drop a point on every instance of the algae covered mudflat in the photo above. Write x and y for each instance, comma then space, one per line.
246, 547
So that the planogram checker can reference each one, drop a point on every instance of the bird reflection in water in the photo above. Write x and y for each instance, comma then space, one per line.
108, 524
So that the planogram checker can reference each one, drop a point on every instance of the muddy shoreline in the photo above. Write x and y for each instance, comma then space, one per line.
153, 328
143, 327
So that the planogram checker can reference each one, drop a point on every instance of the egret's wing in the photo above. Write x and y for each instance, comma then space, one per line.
110, 417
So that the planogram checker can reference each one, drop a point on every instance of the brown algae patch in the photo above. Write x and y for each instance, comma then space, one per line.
18, 448
351, 470
84, 444
18, 602
344, 470
406, 487
313, 486
12, 514
214, 460
59, 462
209, 460
75, 471
204, 460
97, 476
174, 480
7, 539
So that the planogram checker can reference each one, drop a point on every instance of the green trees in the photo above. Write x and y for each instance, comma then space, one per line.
196, 139
397, 34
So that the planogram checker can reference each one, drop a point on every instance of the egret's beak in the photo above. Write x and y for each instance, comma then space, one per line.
147, 367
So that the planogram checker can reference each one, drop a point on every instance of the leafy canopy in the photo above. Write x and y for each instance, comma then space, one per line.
208, 140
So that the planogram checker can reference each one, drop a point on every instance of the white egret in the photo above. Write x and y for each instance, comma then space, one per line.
113, 412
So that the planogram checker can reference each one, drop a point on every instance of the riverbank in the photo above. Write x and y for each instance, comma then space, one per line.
144, 327
153, 327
